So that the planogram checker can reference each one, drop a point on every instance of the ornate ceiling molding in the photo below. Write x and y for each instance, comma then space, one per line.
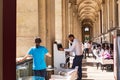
88, 4
91, 17
88, 9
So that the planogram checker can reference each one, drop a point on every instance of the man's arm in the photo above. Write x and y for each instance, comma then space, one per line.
21, 60
48, 54
71, 48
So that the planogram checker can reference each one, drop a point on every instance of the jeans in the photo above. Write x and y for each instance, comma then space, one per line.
41, 73
77, 61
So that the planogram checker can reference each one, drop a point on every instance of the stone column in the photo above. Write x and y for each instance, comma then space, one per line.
77, 28
115, 17
104, 18
70, 14
1, 38
99, 25
112, 14
108, 14
69, 17
94, 30
65, 22
119, 11
42, 20
58, 21
74, 27
102, 13
50, 27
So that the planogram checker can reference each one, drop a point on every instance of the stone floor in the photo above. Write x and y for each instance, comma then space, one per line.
90, 71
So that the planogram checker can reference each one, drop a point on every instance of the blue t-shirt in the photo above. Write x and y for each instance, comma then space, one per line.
38, 55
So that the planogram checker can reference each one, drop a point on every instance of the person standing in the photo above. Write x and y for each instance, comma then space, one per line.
86, 49
76, 47
38, 53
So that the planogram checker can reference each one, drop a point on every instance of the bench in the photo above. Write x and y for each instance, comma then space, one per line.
105, 63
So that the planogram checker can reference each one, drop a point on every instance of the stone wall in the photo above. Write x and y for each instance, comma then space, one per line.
27, 25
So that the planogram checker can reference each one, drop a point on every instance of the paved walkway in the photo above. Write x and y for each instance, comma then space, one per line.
90, 71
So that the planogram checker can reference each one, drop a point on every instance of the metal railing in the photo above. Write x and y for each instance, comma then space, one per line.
24, 68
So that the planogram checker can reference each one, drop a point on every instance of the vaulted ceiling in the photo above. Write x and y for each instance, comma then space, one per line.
87, 10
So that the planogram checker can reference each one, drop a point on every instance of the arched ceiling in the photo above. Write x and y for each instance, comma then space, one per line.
88, 10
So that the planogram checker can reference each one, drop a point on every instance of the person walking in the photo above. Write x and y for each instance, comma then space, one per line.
38, 53
76, 47
86, 49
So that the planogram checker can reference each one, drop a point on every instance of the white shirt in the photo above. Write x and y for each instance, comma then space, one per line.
86, 45
76, 47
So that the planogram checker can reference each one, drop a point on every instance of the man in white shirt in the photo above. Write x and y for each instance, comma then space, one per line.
86, 48
77, 49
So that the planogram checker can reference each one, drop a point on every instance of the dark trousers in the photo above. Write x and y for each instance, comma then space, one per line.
86, 50
77, 61
41, 73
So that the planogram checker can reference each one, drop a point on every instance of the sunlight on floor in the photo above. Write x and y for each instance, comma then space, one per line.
90, 71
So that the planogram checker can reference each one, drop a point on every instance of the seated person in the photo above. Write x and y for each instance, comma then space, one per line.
95, 52
106, 54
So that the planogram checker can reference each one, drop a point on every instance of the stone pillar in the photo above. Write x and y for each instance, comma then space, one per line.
102, 13
115, 17
119, 11
65, 22
94, 29
108, 14
1, 38
58, 21
73, 22
50, 27
99, 25
77, 28
42, 20
104, 17
70, 14
69, 17
112, 14
74, 27
27, 25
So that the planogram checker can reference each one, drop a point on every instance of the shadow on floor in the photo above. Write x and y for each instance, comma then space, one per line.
84, 75
89, 64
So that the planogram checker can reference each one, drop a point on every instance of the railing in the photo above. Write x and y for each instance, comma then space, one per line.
24, 68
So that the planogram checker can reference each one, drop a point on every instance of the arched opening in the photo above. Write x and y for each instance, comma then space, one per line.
87, 33
86, 30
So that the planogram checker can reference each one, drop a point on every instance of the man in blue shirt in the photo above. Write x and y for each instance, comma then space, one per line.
38, 53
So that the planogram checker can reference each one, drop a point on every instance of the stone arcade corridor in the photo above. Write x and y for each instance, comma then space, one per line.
95, 21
